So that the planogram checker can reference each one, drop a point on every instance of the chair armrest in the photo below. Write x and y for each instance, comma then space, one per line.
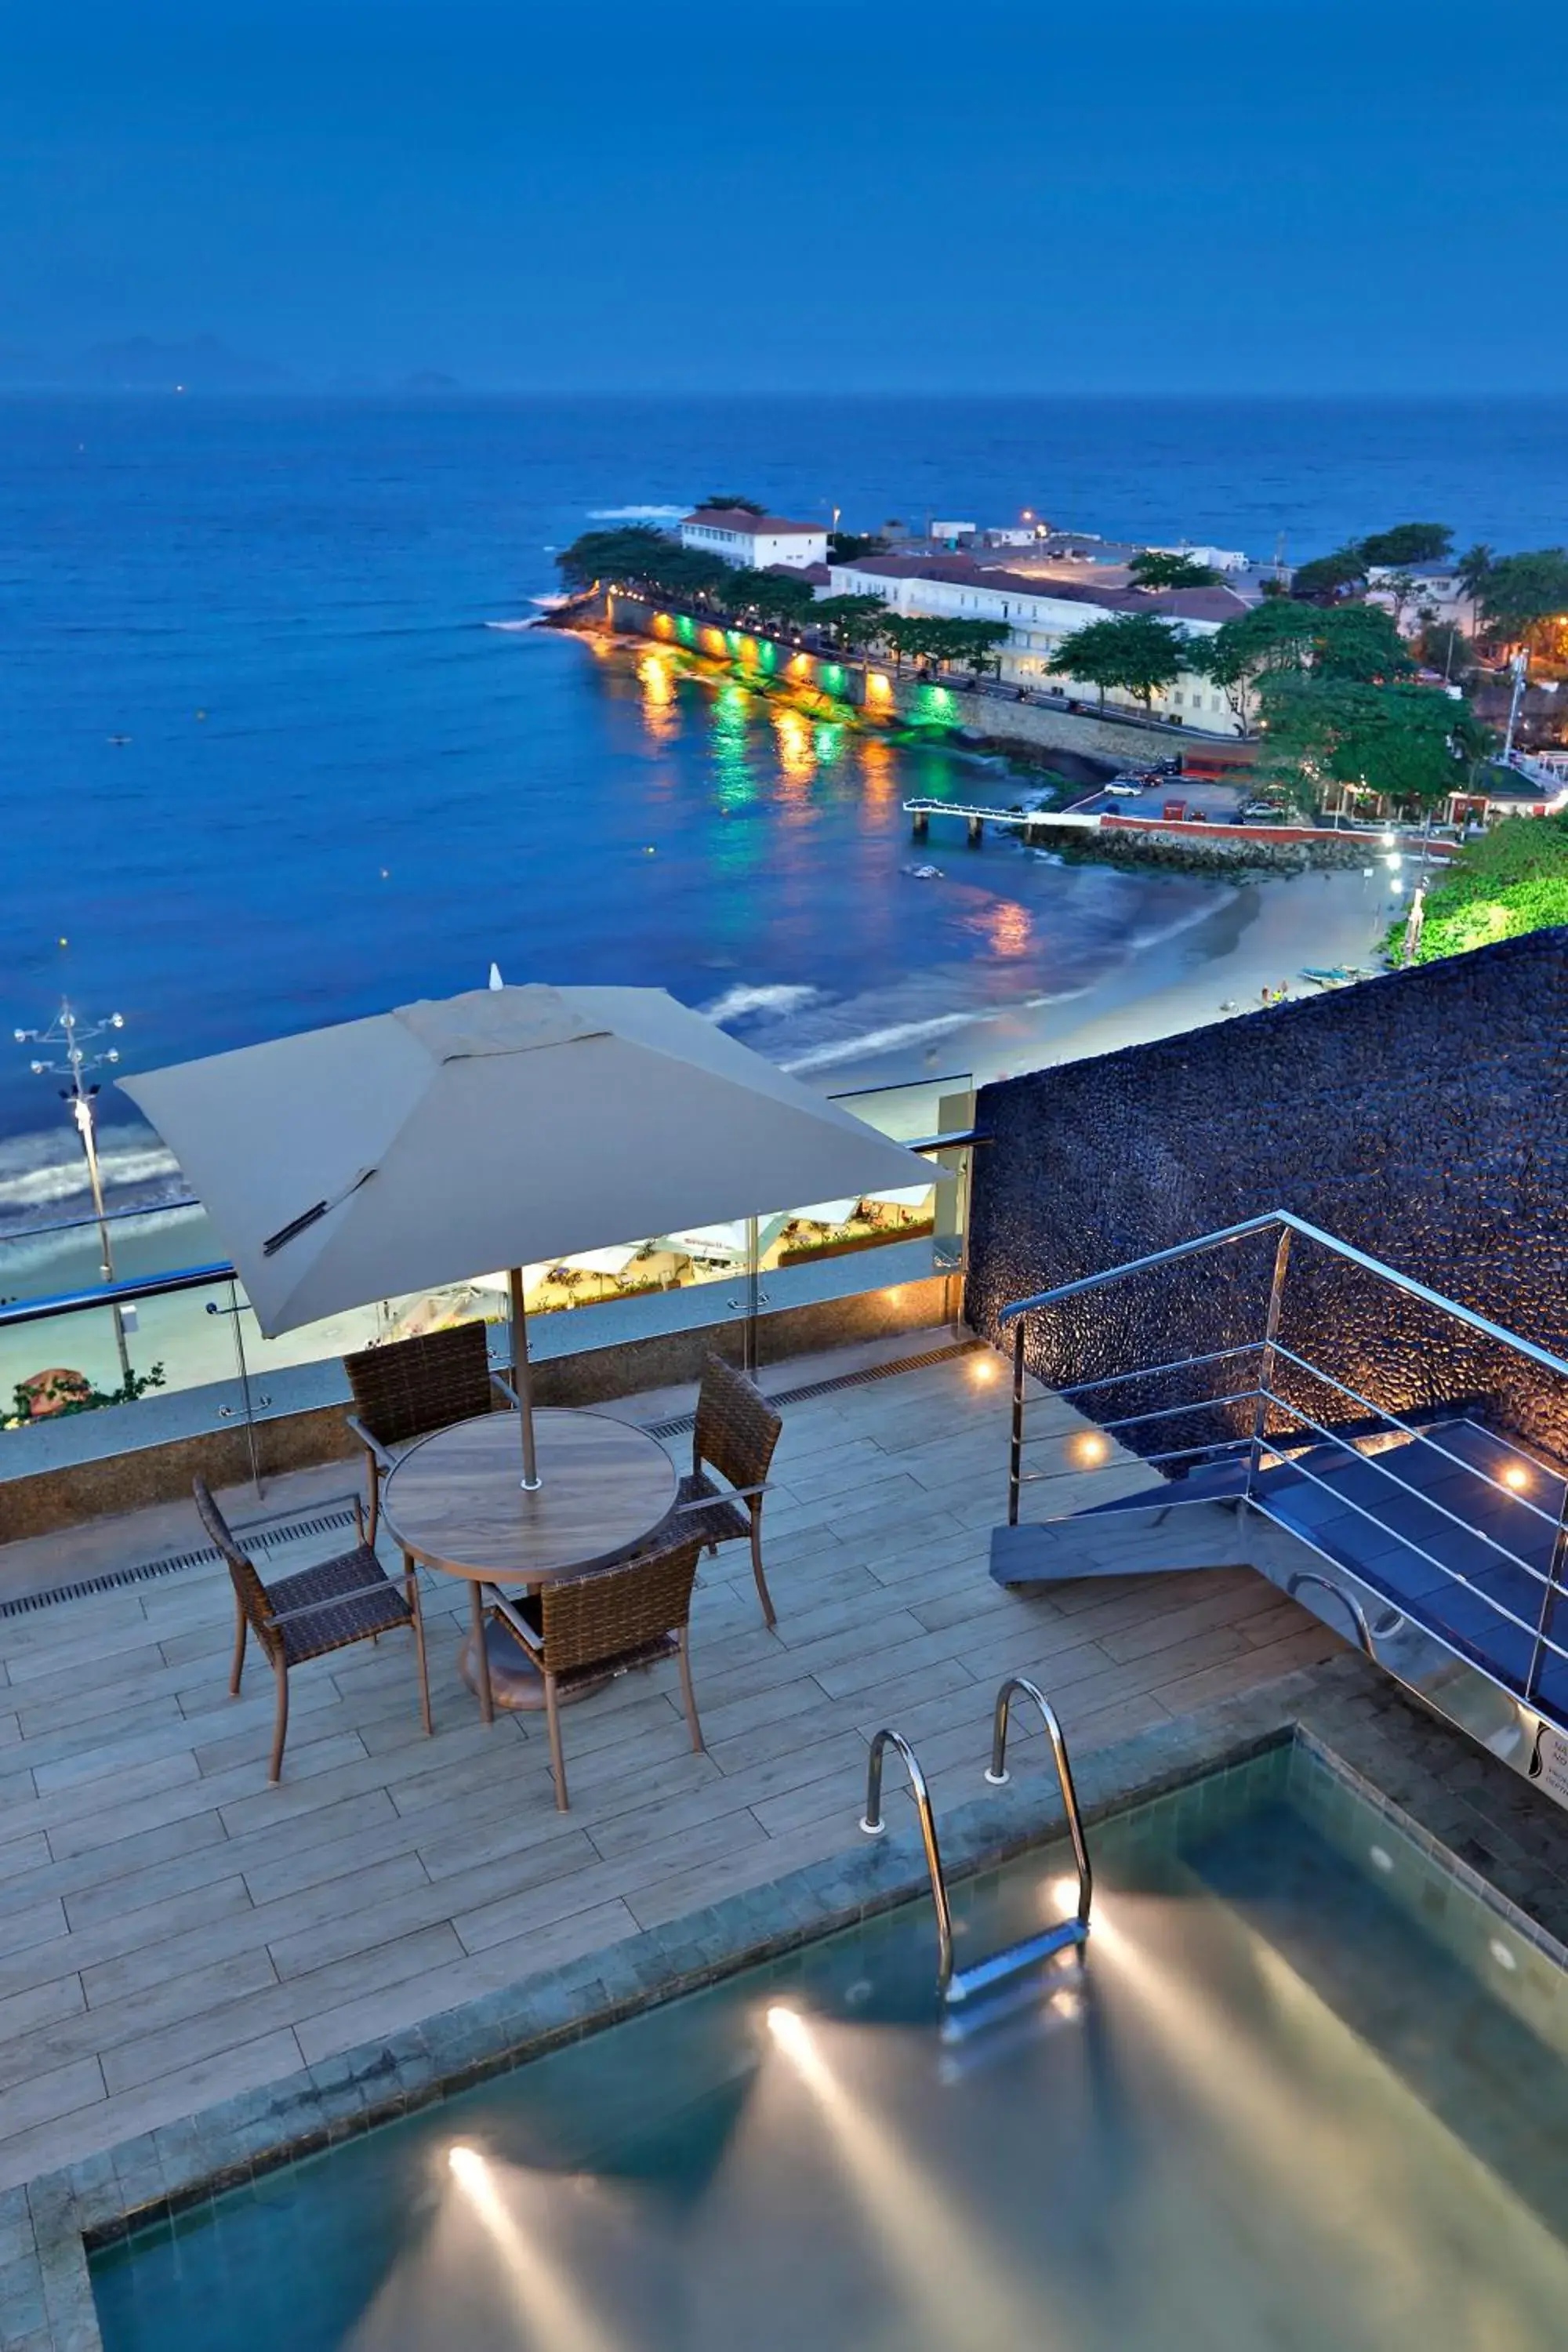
724, 1495
516, 1622
372, 1445
507, 1390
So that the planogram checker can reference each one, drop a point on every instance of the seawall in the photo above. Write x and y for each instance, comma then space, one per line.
984, 713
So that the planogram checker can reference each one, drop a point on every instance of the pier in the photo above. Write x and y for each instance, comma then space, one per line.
1024, 821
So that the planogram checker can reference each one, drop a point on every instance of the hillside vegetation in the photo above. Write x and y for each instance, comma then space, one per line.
1512, 879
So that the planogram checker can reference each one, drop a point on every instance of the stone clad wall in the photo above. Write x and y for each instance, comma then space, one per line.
1422, 1118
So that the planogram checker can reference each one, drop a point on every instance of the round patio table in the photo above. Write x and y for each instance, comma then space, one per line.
456, 1502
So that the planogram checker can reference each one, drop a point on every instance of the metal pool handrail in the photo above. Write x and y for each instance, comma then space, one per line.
873, 1825
998, 1775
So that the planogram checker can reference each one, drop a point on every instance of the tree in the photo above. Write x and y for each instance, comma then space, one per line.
1359, 641
855, 620
1472, 568
1449, 650
1400, 587
1407, 543
774, 596
736, 505
1276, 634
1137, 651
1524, 598
1325, 575
1155, 567
643, 558
1410, 743
905, 632
850, 546
976, 643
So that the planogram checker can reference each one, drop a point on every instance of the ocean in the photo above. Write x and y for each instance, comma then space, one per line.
266, 760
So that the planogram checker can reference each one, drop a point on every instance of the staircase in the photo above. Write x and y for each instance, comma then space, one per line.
1442, 1537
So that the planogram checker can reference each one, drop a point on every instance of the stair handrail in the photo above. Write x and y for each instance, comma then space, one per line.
998, 1775
1352, 1607
1284, 1218
874, 1825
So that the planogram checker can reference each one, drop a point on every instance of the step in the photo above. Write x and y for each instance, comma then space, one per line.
1158, 1536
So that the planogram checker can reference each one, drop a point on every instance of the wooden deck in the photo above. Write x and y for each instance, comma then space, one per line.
172, 1930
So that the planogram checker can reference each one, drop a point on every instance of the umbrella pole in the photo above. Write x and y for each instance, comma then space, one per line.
522, 1378
749, 1340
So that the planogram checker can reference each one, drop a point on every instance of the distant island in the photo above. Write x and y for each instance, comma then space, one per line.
198, 364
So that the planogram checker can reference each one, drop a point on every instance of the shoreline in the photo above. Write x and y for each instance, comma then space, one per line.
1258, 936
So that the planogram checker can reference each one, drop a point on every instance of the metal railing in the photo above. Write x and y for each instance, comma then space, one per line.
1281, 1411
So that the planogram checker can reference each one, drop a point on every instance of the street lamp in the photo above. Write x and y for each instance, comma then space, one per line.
1520, 668
74, 1036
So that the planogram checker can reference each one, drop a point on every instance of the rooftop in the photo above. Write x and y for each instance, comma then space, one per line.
174, 1931
1184, 603
756, 525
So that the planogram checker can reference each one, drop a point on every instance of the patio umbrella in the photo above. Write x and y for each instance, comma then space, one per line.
497, 1128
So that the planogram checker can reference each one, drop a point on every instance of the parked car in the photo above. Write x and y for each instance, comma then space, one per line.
1125, 785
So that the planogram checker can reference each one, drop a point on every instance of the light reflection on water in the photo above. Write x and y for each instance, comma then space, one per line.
1267, 2109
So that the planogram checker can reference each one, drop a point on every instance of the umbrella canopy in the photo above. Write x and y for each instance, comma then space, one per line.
504, 1125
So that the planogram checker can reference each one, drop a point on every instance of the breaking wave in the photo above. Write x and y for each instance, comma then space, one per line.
45, 1174
637, 514
738, 1003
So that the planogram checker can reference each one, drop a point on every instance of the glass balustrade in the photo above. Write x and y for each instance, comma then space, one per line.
175, 1344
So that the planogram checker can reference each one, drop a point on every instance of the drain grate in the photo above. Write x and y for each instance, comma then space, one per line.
330, 1522
113, 1579
685, 1421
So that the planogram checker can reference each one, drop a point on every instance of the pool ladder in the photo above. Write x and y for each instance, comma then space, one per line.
953, 1984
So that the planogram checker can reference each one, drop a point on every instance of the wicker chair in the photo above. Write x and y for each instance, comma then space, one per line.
737, 1429
581, 1628
411, 1386
341, 1601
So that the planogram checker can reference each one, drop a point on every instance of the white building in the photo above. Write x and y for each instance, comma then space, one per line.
754, 542
1432, 588
1040, 614
1218, 559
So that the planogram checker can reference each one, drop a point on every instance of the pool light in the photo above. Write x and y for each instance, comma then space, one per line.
1090, 1450
944, 2260
1517, 1476
549, 2298
789, 2030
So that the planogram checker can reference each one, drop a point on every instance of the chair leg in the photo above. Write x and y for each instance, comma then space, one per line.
374, 1483
239, 1632
557, 1754
764, 1595
414, 1603
687, 1693
281, 1732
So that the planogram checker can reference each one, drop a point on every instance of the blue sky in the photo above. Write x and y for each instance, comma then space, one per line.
1356, 195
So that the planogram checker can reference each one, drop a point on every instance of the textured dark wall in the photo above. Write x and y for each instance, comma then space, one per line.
1422, 1117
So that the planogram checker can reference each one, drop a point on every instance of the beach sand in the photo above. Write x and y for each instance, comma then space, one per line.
1258, 936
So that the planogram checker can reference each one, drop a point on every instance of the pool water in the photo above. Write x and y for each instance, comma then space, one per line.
1306, 2090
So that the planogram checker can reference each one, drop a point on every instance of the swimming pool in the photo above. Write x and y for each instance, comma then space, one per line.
1306, 2091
